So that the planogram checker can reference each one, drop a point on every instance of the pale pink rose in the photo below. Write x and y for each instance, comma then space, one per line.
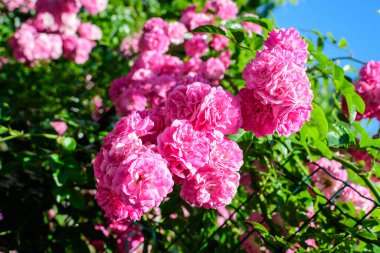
184, 100
59, 126
196, 46
69, 23
210, 187
23, 5
77, 49
252, 27
44, 21
177, 32
225, 9
277, 79
156, 24
257, 117
363, 202
223, 215
219, 110
327, 184
289, 120
152, 60
290, 40
94, 6
89, 31
130, 45
213, 69
184, 148
219, 42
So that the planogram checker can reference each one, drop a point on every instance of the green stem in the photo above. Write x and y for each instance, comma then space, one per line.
358, 171
348, 58
48, 136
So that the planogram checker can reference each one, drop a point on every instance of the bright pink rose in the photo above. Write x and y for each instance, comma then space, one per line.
224, 153
184, 100
219, 110
177, 32
277, 79
257, 117
59, 126
371, 72
290, 40
155, 40
196, 46
130, 100
185, 148
193, 67
94, 6
157, 116
363, 202
77, 49
327, 184
225, 57
90, 31
210, 187
219, 42
290, 119
117, 86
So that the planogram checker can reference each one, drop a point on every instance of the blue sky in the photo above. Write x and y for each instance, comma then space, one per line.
357, 21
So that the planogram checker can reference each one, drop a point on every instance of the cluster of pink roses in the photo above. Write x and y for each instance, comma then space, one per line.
368, 87
183, 142
156, 69
277, 96
22, 5
327, 183
56, 30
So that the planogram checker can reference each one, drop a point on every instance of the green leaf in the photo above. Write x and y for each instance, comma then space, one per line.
343, 43
331, 37
3, 129
257, 226
339, 136
368, 235
358, 102
68, 143
319, 121
237, 35
5, 112
209, 29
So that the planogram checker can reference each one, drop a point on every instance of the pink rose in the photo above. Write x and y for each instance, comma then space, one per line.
59, 126
196, 46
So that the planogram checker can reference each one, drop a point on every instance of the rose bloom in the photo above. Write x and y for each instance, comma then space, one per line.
213, 69
257, 117
94, 6
225, 9
210, 187
219, 42
196, 46
184, 100
290, 119
360, 202
252, 27
327, 184
219, 110
185, 148
277, 79
130, 45
130, 100
177, 32
90, 31
132, 178
154, 40
59, 126
290, 40
224, 153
